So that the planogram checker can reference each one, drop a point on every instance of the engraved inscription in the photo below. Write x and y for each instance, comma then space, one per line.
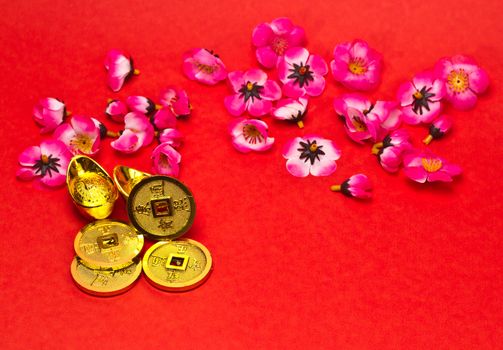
100, 280
157, 260
172, 276
181, 248
157, 190
143, 209
165, 225
194, 264
90, 248
182, 204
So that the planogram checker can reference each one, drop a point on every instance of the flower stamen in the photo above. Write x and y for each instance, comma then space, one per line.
458, 80
431, 165
279, 45
357, 66
252, 135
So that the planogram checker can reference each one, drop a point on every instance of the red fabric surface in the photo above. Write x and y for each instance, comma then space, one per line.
296, 266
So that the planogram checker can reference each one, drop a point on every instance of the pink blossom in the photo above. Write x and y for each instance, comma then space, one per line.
203, 66
250, 135
311, 155
438, 128
177, 100
48, 162
357, 186
138, 133
164, 119
426, 167
116, 110
171, 137
302, 73
119, 67
253, 92
273, 39
391, 151
364, 120
81, 135
464, 80
420, 98
290, 109
356, 65
140, 104
49, 113
166, 160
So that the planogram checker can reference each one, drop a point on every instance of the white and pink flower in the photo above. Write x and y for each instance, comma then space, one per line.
172, 137
119, 67
464, 80
420, 98
439, 128
164, 118
203, 66
311, 155
357, 186
391, 151
140, 104
292, 110
273, 39
49, 113
138, 133
356, 65
427, 167
302, 73
116, 110
177, 100
253, 92
250, 135
81, 135
166, 160
47, 162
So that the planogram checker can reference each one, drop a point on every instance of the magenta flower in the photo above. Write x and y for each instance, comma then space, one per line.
138, 133
420, 98
383, 117
116, 110
253, 92
166, 160
164, 119
177, 100
250, 135
426, 167
171, 137
357, 66
293, 110
311, 155
119, 67
391, 151
302, 73
273, 39
438, 128
203, 66
81, 135
140, 104
49, 113
357, 186
48, 162
464, 80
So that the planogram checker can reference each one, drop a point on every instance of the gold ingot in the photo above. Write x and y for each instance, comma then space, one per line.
161, 207
104, 282
126, 178
177, 266
108, 244
92, 189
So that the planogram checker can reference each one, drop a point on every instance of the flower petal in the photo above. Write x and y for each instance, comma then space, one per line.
271, 91
293, 90
255, 76
296, 55
30, 156
290, 150
323, 167
282, 25
262, 35
318, 64
235, 104
127, 142
315, 87
297, 167
266, 56
236, 80
258, 108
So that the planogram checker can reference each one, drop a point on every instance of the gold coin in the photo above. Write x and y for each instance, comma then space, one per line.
92, 189
161, 207
104, 282
177, 265
108, 244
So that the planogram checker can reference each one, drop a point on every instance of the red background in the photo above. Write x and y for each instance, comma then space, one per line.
296, 266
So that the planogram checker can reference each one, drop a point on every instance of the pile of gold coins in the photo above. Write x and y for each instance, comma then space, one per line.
161, 208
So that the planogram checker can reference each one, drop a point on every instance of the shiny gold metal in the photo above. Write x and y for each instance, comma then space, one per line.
161, 207
108, 244
104, 282
177, 266
126, 178
92, 189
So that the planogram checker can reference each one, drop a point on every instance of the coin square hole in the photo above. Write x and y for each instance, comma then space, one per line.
161, 207
108, 241
177, 262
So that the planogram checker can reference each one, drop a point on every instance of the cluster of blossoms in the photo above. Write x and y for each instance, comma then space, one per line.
143, 121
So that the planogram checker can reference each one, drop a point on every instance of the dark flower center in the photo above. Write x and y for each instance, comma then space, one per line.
422, 99
251, 90
310, 151
252, 135
46, 164
301, 73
